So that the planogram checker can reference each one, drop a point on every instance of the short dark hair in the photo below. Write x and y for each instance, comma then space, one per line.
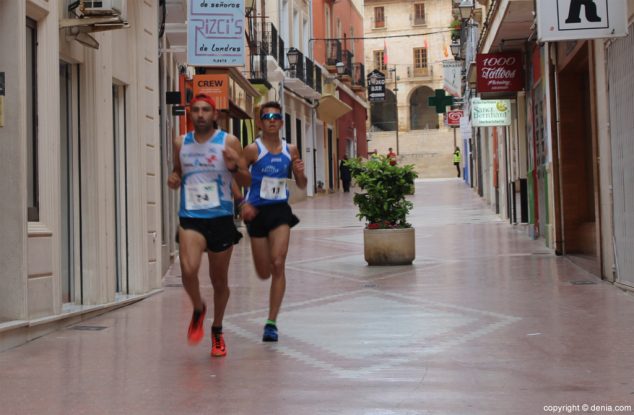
270, 104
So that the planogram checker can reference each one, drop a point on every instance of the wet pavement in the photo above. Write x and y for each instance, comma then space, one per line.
486, 321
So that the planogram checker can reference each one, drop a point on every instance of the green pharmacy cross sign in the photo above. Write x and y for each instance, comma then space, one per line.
440, 101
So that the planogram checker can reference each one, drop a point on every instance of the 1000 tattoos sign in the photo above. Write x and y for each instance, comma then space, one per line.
215, 33
500, 72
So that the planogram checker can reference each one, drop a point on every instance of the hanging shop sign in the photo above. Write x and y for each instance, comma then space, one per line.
500, 72
215, 33
376, 86
452, 79
490, 112
580, 19
453, 118
214, 85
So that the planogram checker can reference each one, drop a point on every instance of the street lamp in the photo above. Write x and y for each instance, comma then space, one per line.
455, 50
466, 8
292, 55
341, 68
398, 153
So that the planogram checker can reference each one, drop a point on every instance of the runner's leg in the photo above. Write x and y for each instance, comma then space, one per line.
261, 257
278, 240
191, 246
218, 272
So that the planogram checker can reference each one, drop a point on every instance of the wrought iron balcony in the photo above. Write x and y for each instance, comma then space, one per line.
414, 71
310, 73
265, 39
333, 51
358, 75
347, 62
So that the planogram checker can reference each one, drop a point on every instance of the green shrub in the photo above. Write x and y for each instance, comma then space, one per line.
383, 205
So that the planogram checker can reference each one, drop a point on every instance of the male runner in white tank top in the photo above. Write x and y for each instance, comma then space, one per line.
205, 162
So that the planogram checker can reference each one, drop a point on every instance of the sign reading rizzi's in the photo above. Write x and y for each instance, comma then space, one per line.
215, 33
580, 19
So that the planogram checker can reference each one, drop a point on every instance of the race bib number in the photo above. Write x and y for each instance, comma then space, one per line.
201, 196
273, 188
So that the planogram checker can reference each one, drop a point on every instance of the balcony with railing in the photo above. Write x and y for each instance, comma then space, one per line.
414, 71
300, 76
358, 76
266, 53
333, 52
379, 24
347, 63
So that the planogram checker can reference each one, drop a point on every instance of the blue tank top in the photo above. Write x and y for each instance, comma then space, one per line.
205, 182
268, 176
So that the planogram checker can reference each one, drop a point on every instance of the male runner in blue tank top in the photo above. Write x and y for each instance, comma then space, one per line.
205, 162
266, 211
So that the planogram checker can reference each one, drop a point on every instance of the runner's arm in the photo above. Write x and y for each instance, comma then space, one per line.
174, 179
298, 167
236, 164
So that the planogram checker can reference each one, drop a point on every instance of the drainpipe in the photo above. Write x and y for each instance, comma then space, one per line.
311, 188
560, 245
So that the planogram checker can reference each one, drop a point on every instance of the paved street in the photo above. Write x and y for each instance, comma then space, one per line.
485, 322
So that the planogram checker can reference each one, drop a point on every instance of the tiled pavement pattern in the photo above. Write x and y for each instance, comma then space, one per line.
485, 322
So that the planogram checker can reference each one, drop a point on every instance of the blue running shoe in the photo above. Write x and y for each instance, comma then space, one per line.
270, 333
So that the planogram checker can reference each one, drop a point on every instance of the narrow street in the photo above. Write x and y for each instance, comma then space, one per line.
486, 321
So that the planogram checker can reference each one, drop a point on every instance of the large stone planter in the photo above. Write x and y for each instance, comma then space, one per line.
389, 246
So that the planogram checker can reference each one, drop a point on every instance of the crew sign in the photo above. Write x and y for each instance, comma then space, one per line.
580, 19
215, 33
376, 86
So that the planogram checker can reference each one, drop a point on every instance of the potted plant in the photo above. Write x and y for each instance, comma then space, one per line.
388, 238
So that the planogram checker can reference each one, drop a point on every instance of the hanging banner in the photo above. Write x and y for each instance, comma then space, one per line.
215, 33
491, 112
376, 86
580, 19
500, 72
452, 74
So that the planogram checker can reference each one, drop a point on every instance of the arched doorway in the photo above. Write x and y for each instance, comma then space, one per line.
384, 113
422, 116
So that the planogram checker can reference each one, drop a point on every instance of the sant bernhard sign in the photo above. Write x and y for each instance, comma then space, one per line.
376, 86
580, 19
500, 72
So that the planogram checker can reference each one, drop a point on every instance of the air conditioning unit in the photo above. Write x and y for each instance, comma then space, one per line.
104, 8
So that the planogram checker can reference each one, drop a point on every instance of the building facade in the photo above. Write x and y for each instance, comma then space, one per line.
561, 166
81, 158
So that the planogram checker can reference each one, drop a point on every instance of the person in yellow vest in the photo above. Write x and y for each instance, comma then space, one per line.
457, 158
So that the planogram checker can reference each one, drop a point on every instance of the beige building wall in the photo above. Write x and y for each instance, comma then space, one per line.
31, 252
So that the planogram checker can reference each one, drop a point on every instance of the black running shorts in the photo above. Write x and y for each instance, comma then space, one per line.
270, 217
220, 233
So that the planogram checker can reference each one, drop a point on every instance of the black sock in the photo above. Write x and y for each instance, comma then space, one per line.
216, 330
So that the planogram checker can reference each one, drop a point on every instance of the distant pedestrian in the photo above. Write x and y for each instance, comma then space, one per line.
457, 158
206, 160
266, 211
344, 173
392, 156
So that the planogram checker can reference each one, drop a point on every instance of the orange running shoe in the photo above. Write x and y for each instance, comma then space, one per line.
196, 331
218, 347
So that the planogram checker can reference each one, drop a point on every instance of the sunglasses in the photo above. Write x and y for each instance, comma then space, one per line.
273, 116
